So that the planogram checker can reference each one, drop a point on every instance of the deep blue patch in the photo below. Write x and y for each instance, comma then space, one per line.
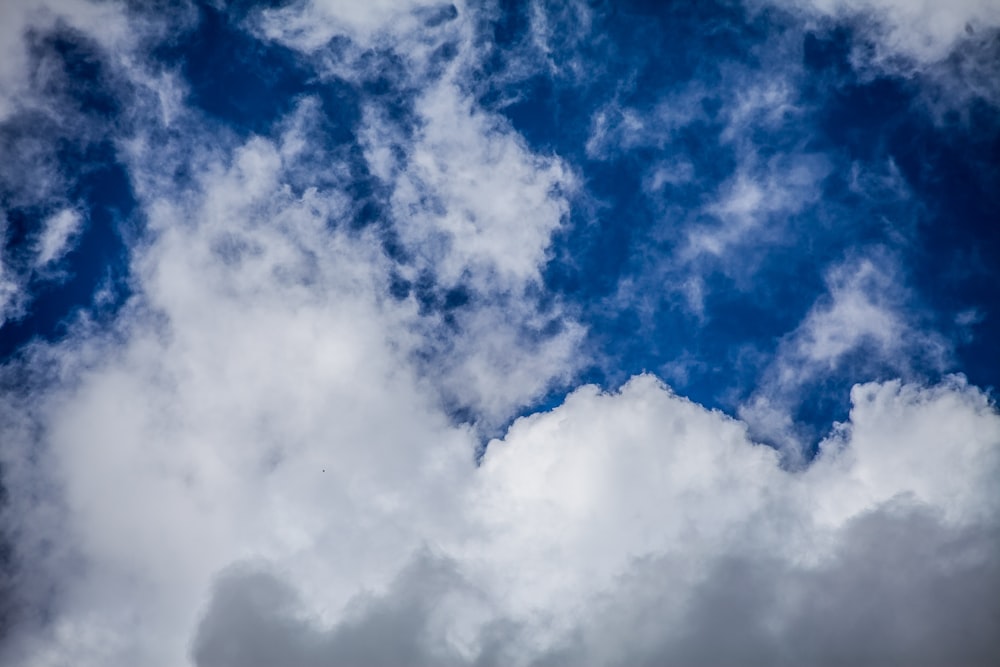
100, 258
79, 75
245, 83
73, 78
644, 51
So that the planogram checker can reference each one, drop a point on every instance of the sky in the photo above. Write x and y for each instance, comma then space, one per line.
499, 333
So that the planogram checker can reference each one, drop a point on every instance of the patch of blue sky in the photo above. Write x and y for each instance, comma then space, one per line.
878, 172
729, 160
246, 83
76, 168
93, 275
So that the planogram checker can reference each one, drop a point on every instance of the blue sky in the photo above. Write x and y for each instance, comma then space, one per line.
431, 333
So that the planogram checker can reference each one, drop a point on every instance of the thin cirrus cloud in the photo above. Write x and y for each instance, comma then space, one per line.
381, 378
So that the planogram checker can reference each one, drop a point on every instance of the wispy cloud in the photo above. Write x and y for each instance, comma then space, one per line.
57, 236
866, 311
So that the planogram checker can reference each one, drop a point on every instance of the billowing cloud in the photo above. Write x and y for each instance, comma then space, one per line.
630, 527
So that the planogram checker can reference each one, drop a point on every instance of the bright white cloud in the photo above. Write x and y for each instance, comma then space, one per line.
256, 424
57, 235
613, 507
471, 204
477, 209
259, 355
279, 369
473, 199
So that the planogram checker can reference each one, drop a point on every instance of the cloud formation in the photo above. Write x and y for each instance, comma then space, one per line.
339, 409
640, 547
923, 30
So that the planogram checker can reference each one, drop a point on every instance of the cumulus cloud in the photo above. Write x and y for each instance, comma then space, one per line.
466, 181
158, 487
253, 267
477, 210
256, 618
633, 527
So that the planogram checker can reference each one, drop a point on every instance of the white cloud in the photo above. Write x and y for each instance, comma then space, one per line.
9, 292
948, 47
471, 205
767, 102
472, 199
752, 208
257, 404
34, 112
866, 304
259, 354
923, 30
615, 128
57, 235
253, 462
628, 526
866, 309
853, 314
260, 396
309, 25
42, 123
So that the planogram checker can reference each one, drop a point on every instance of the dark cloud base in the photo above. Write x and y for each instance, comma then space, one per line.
902, 589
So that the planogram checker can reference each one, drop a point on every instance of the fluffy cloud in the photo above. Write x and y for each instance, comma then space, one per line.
630, 527
253, 360
474, 199
261, 351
